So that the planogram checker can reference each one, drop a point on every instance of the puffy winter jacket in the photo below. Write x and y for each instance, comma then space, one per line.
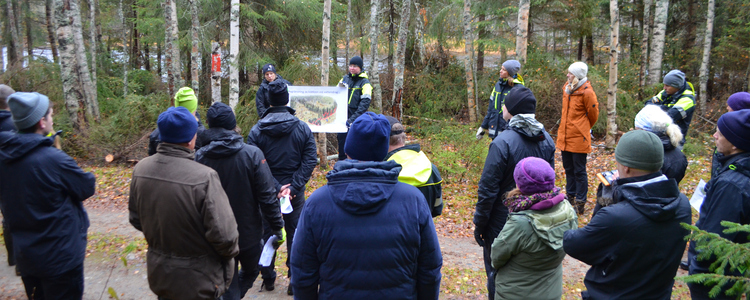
528, 253
188, 223
580, 110
6, 121
418, 171
635, 245
288, 145
493, 121
42, 190
247, 181
680, 106
365, 235
360, 95
261, 96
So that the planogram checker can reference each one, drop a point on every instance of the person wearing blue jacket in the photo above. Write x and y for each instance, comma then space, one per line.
42, 190
365, 235
291, 153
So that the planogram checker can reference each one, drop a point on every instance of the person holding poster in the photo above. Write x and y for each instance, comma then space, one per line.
360, 95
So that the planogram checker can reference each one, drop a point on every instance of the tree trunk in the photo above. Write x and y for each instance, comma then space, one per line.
658, 40
92, 105
15, 57
27, 21
215, 72
419, 36
706, 56
49, 13
614, 27
93, 4
195, 54
469, 49
135, 53
74, 71
590, 49
690, 36
374, 62
480, 46
172, 51
348, 31
391, 32
644, 40
522, 33
322, 141
158, 58
234, 51
125, 63
147, 56
400, 66
580, 49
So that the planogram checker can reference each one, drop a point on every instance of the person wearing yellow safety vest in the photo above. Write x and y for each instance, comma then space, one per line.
360, 95
677, 99
493, 122
416, 168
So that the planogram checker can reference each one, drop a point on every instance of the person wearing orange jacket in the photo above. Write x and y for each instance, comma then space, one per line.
580, 110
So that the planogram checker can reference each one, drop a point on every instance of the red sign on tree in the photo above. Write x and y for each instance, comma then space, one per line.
216, 62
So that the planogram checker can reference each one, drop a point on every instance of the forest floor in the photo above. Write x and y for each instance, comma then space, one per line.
115, 259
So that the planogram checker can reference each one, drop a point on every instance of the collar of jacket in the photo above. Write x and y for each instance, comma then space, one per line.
739, 162
278, 109
362, 74
175, 150
412, 147
352, 170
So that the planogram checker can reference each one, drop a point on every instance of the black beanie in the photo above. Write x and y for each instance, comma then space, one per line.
278, 95
269, 68
220, 115
356, 60
520, 100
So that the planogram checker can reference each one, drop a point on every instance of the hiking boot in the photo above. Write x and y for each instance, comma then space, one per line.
289, 290
580, 206
268, 284
685, 265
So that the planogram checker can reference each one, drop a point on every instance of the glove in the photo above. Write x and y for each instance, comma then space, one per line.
279, 238
478, 236
480, 133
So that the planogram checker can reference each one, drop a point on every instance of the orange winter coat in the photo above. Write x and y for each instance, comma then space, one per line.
580, 110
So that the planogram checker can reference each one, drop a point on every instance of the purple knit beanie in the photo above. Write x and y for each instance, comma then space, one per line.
739, 101
534, 175
735, 126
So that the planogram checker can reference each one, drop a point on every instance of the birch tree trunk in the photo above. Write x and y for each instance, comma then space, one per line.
349, 26
658, 40
195, 54
215, 72
614, 27
374, 62
706, 55
234, 50
419, 36
522, 33
93, 4
468, 65
27, 21
72, 80
647, 23
170, 38
84, 73
400, 66
16, 56
125, 63
322, 141
49, 13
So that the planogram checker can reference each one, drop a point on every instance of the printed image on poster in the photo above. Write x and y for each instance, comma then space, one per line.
323, 108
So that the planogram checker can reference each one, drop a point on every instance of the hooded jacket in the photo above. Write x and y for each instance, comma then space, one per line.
727, 199
247, 181
621, 240
42, 190
506, 150
6, 121
528, 253
360, 95
580, 110
493, 120
261, 96
418, 171
188, 223
365, 235
289, 147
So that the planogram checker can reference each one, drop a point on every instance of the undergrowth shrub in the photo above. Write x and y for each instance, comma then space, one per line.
452, 147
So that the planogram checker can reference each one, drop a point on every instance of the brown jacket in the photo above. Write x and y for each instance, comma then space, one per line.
185, 216
580, 110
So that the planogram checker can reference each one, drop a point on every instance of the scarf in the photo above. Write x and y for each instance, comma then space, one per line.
527, 123
571, 87
539, 201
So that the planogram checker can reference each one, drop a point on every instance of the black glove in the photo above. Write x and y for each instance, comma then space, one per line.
478, 236
279, 238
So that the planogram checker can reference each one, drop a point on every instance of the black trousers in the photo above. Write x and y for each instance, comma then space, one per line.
577, 183
68, 285
290, 226
489, 237
243, 279
342, 139
9, 245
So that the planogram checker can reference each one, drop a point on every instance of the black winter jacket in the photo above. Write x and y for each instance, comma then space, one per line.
506, 150
675, 162
42, 189
493, 121
360, 95
261, 96
6, 121
154, 141
247, 181
635, 245
727, 199
289, 147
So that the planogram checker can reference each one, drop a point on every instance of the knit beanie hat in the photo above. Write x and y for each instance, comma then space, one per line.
652, 118
268, 68
186, 98
520, 100
356, 60
220, 115
5, 91
27, 109
640, 149
368, 137
739, 101
512, 66
675, 78
176, 125
579, 69
278, 94
735, 126
393, 121
534, 175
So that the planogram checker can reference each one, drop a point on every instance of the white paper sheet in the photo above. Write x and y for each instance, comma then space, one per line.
698, 195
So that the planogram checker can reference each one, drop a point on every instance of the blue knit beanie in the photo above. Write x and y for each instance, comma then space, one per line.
356, 60
739, 101
176, 125
27, 109
278, 93
735, 126
368, 138
220, 115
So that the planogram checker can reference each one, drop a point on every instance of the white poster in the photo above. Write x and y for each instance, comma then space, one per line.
323, 108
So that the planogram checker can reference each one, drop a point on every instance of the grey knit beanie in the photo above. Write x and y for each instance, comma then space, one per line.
512, 66
27, 108
675, 78
640, 149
